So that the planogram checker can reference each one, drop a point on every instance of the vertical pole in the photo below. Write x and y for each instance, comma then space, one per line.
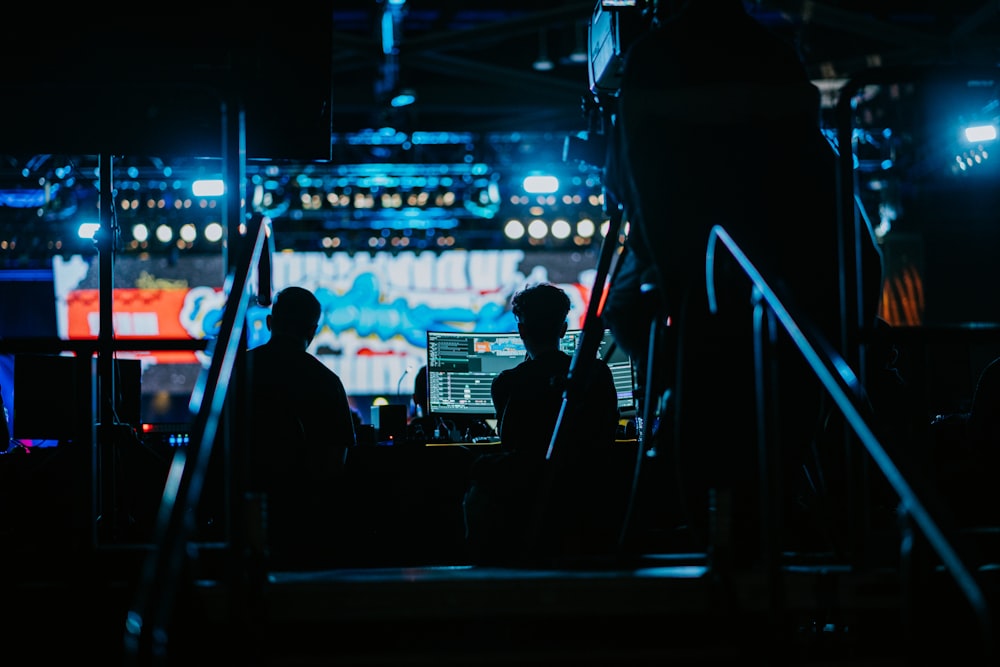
848, 246
237, 242
106, 240
234, 171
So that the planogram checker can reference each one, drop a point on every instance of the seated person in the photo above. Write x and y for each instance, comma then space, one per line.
419, 399
509, 490
423, 427
967, 453
5, 439
301, 427
528, 397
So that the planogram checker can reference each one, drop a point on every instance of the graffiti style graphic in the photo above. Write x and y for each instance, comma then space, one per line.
377, 309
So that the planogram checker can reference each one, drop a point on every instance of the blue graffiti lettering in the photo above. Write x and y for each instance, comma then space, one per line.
362, 310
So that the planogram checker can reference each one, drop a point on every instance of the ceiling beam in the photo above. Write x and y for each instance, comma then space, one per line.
525, 24
501, 76
975, 21
857, 23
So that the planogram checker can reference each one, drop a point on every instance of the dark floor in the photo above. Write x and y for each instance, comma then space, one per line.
401, 602
669, 609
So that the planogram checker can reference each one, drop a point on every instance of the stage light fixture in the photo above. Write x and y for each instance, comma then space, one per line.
188, 233
579, 53
208, 187
537, 229
403, 98
979, 133
560, 229
514, 229
88, 230
543, 63
540, 184
213, 232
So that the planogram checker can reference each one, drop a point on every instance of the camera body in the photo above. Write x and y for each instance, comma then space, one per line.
614, 25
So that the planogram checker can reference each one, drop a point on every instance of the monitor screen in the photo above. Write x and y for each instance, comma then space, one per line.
49, 399
622, 371
461, 367
53, 394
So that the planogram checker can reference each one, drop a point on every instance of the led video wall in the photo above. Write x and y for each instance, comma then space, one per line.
377, 308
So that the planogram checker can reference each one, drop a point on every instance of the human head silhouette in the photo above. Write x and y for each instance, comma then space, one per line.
541, 312
420, 390
985, 413
295, 314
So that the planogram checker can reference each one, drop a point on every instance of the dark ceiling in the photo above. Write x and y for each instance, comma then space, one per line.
147, 81
87, 77
471, 62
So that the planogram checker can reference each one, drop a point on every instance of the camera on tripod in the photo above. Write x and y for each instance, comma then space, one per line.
613, 26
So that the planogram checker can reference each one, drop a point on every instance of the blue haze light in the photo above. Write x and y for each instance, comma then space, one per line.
388, 33
403, 99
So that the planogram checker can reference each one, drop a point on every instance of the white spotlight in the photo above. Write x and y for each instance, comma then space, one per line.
561, 229
87, 230
977, 133
513, 229
188, 233
540, 184
164, 233
213, 232
208, 187
140, 232
537, 229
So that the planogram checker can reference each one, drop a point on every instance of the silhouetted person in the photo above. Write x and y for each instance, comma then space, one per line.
421, 425
301, 428
420, 394
424, 427
900, 414
528, 398
967, 454
717, 123
4, 427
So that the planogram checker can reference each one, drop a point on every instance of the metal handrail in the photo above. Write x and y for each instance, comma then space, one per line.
843, 386
148, 618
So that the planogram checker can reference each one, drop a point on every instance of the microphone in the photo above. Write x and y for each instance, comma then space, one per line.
399, 385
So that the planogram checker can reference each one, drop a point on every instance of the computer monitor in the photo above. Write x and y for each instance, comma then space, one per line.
53, 395
49, 399
623, 372
461, 367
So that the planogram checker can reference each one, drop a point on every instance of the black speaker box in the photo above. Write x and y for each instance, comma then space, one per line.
389, 422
